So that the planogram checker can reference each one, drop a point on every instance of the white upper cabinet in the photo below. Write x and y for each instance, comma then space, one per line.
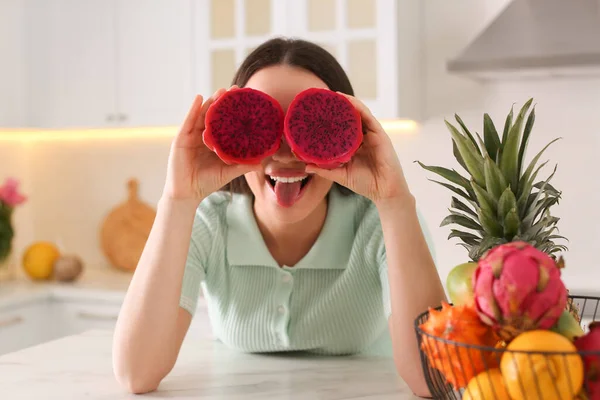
12, 64
71, 62
154, 61
120, 63
109, 63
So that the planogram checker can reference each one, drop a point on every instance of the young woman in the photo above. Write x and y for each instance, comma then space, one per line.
344, 264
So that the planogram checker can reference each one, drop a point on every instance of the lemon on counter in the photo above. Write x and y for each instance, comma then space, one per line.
39, 258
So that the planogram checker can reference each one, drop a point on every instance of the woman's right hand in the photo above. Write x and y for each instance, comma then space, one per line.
194, 171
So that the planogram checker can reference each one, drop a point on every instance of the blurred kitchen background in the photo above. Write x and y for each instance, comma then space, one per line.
92, 92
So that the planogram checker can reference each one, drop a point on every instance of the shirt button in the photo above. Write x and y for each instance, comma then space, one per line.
286, 278
281, 309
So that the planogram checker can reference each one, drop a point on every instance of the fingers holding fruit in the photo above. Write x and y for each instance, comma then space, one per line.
323, 128
190, 133
195, 169
338, 138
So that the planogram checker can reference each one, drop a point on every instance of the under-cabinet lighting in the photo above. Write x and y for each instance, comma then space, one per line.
43, 135
399, 126
50, 135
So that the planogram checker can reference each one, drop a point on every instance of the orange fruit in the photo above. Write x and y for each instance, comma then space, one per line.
38, 260
542, 376
458, 362
486, 385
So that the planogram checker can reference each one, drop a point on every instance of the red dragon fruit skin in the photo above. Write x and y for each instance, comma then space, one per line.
590, 345
517, 288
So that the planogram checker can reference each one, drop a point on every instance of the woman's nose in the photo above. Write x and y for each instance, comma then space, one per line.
284, 153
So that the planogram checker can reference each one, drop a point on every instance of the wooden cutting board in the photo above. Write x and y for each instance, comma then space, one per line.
125, 230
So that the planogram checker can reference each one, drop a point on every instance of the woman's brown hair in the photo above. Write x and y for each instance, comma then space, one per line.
297, 53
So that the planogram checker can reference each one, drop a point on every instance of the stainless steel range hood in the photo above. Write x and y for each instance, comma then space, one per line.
536, 38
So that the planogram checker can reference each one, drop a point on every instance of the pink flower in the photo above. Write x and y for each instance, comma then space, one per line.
9, 193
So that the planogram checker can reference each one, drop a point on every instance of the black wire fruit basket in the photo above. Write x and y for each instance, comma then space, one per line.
455, 370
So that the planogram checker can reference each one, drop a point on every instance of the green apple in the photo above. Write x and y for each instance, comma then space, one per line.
460, 283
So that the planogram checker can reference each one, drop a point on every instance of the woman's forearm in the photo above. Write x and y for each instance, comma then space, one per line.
151, 326
414, 284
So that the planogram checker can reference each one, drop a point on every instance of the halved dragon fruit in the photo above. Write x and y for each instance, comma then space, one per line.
244, 126
322, 127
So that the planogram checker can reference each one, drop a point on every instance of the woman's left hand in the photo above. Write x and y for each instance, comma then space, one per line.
374, 171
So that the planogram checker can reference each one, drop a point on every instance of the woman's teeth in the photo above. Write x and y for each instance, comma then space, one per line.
284, 179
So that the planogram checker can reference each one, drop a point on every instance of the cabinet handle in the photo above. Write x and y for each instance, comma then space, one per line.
122, 117
10, 321
86, 315
110, 118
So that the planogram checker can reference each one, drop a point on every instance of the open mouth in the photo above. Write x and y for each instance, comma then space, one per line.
288, 189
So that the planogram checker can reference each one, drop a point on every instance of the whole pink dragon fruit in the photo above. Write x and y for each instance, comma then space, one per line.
590, 345
518, 288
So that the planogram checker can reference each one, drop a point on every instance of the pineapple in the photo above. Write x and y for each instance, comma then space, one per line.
500, 200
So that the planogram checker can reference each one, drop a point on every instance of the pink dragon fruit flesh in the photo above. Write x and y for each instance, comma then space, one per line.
244, 126
322, 127
589, 346
518, 288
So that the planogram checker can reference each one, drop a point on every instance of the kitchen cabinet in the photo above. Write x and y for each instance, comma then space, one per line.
36, 317
154, 62
24, 326
12, 71
71, 63
78, 316
108, 63
126, 63
48, 317
376, 41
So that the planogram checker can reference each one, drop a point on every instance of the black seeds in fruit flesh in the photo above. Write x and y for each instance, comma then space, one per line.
323, 127
246, 125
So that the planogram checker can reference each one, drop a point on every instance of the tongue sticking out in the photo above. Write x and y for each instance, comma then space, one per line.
287, 193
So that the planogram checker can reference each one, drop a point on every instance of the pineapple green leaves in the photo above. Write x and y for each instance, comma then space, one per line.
497, 201
494, 179
491, 139
509, 161
470, 154
506, 203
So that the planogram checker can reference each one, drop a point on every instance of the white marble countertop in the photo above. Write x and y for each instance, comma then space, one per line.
79, 367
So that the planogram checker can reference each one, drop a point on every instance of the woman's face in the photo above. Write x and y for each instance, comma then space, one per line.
283, 189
